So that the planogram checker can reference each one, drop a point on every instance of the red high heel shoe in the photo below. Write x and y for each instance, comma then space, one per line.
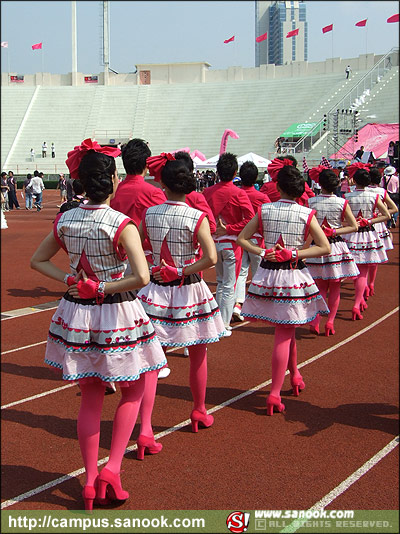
371, 288
146, 444
110, 483
298, 384
274, 401
366, 292
329, 330
363, 305
355, 314
198, 417
89, 495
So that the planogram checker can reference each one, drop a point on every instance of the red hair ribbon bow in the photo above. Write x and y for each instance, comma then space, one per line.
315, 172
351, 169
156, 164
276, 165
75, 156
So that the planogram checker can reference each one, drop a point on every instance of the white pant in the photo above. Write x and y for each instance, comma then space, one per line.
248, 260
226, 278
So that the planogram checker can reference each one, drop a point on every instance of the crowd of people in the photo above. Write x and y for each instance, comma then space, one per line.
135, 285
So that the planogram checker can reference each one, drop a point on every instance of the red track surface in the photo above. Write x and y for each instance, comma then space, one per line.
346, 415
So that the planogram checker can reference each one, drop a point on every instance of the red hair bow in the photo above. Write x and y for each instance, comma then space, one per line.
75, 156
315, 172
276, 165
156, 164
351, 169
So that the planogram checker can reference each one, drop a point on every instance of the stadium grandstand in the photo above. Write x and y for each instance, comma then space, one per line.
188, 105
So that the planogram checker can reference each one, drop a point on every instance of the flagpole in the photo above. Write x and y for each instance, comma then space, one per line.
332, 48
366, 37
42, 63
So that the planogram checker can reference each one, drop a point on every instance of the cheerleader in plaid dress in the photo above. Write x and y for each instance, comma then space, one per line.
177, 300
380, 228
282, 291
100, 332
365, 245
335, 217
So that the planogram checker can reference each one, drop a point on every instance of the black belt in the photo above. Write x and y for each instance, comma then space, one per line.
276, 265
190, 279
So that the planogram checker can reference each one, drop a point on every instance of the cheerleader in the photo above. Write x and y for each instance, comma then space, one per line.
282, 291
380, 228
100, 332
177, 300
365, 245
328, 271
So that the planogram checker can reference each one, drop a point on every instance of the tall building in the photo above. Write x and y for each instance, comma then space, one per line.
277, 19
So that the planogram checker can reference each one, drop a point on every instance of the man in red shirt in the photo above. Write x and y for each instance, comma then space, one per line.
232, 210
248, 175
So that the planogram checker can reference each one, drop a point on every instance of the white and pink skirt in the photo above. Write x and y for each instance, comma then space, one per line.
366, 246
182, 316
111, 342
384, 235
337, 265
282, 295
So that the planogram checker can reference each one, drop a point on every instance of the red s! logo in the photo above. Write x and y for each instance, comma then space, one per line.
238, 522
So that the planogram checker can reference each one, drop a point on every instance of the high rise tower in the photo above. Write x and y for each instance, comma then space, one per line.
277, 19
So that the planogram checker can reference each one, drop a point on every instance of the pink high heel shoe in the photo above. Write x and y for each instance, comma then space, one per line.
110, 483
371, 288
199, 417
89, 495
366, 292
272, 402
146, 444
355, 314
314, 329
329, 330
363, 305
298, 384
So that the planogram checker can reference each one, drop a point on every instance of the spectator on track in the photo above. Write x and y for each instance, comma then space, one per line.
4, 191
12, 193
232, 210
62, 186
118, 337
27, 191
37, 189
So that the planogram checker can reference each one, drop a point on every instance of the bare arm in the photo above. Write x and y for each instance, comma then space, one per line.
384, 213
40, 260
351, 223
246, 234
390, 205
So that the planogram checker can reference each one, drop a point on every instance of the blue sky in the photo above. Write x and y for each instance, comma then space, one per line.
170, 32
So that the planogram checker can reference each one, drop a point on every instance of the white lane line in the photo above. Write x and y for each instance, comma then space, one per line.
345, 485
34, 397
25, 347
79, 472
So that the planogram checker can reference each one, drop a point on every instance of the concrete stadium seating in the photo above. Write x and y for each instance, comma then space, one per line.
174, 116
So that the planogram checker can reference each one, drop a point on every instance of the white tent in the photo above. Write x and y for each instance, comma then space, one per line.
209, 163
259, 161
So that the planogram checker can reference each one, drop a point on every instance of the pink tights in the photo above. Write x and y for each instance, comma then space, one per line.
198, 376
89, 425
284, 356
372, 270
333, 288
359, 284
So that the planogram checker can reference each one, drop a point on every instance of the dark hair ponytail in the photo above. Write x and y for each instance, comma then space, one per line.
291, 181
177, 177
95, 172
328, 180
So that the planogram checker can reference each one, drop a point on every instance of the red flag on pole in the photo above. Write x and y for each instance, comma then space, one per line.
37, 46
261, 37
229, 40
327, 28
361, 23
293, 33
393, 18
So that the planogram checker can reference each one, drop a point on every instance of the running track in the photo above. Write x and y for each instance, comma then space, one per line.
336, 443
